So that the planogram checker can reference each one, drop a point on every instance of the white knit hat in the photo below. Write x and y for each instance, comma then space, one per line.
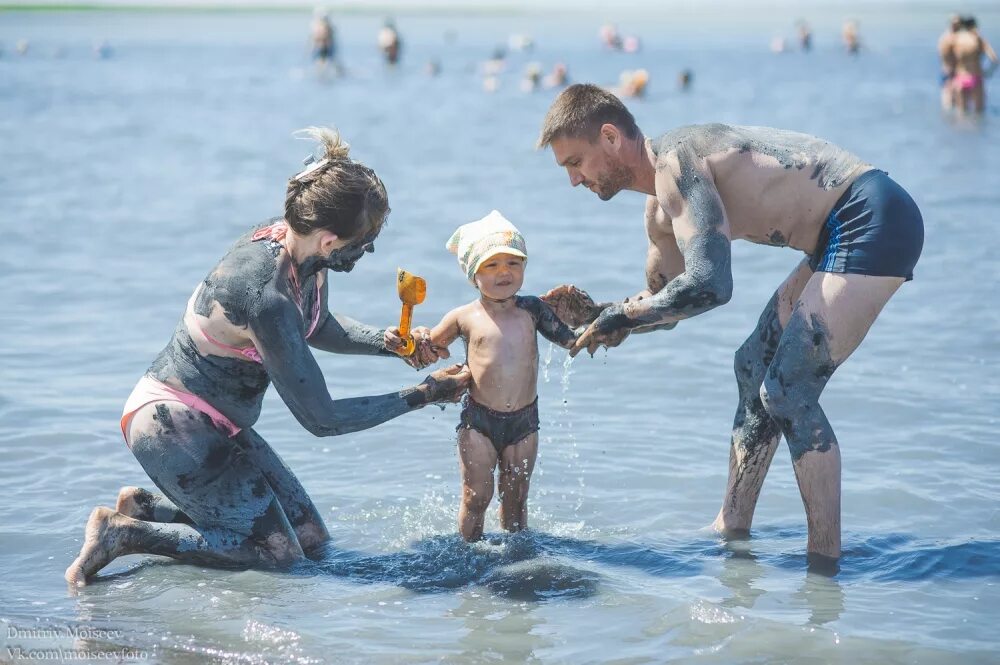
477, 241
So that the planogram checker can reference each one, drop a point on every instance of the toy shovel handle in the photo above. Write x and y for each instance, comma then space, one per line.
405, 317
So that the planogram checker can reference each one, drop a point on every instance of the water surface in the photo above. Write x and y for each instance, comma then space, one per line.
123, 180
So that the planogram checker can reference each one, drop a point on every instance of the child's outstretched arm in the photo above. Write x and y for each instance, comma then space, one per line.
546, 322
445, 332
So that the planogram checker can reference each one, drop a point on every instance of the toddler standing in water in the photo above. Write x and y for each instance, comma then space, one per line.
499, 422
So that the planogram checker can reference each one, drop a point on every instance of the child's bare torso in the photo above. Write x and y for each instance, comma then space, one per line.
502, 353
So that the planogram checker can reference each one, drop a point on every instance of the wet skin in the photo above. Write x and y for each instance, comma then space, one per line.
231, 500
500, 333
254, 289
708, 185
781, 185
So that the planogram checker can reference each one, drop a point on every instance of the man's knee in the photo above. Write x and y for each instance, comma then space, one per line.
794, 411
778, 401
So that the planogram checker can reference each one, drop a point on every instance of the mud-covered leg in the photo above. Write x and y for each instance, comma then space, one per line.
517, 461
238, 520
141, 504
755, 433
833, 315
477, 458
295, 501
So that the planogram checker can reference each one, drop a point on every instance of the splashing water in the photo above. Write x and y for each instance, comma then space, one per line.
570, 436
546, 361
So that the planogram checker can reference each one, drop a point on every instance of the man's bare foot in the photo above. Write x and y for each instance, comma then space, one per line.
102, 544
729, 533
135, 502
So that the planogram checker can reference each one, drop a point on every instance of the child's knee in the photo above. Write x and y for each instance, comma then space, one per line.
476, 498
514, 487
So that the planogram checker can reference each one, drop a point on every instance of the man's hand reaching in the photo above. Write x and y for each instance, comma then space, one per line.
573, 305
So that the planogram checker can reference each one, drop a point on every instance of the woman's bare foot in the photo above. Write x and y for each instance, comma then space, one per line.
135, 502
103, 543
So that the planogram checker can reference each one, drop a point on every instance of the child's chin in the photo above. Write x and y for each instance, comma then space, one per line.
500, 294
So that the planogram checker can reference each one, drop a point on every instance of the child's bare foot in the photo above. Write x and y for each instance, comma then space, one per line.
135, 502
103, 543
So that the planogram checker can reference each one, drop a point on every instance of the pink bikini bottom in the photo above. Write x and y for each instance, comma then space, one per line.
149, 390
965, 81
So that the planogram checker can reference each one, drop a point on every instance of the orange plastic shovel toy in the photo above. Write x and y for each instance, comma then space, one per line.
412, 291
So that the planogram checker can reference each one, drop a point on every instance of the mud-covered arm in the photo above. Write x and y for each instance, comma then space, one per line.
337, 333
686, 191
276, 329
546, 321
664, 263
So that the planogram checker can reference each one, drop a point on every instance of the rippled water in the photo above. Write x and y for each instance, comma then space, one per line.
123, 180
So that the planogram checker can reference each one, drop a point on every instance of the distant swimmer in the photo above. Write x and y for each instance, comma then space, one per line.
946, 51
969, 48
632, 83
685, 79
389, 42
705, 186
805, 35
610, 37
558, 77
496, 63
226, 499
323, 38
532, 77
850, 36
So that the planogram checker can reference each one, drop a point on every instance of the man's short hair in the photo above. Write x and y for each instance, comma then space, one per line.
580, 110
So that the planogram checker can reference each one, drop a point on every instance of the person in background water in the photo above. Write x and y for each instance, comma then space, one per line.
968, 49
499, 424
805, 35
321, 34
946, 51
850, 37
685, 79
632, 83
226, 498
610, 37
532, 77
706, 186
389, 42
557, 78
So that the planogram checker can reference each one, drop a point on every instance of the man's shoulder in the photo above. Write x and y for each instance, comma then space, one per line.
695, 137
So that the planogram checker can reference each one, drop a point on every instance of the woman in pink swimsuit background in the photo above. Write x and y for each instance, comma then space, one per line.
226, 498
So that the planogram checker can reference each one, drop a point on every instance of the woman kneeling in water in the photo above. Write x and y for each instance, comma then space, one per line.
227, 498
